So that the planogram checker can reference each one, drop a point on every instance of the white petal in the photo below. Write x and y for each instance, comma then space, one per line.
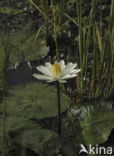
29, 64
42, 77
75, 71
69, 76
44, 70
48, 65
78, 70
72, 71
50, 81
69, 67
74, 75
73, 66
62, 64
65, 77
62, 81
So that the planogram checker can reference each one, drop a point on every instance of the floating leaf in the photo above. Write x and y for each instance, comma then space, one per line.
96, 120
27, 49
41, 141
29, 134
21, 45
34, 100
24, 105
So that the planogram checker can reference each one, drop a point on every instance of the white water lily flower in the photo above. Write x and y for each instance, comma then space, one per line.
57, 72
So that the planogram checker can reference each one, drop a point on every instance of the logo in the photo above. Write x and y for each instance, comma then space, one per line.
95, 149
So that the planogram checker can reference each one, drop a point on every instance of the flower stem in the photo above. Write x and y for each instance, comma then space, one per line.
59, 110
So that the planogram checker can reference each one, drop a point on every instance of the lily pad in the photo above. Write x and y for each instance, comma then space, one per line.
96, 120
34, 100
41, 141
23, 45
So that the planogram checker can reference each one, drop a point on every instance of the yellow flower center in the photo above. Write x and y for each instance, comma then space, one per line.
56, 70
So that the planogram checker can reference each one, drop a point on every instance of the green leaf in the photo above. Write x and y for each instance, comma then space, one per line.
25, 47
34, 100
41, 141
29, 134
22, 46
14, 125
96, 120
99, 39
24, 105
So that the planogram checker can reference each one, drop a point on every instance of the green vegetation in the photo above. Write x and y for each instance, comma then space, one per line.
38, 31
